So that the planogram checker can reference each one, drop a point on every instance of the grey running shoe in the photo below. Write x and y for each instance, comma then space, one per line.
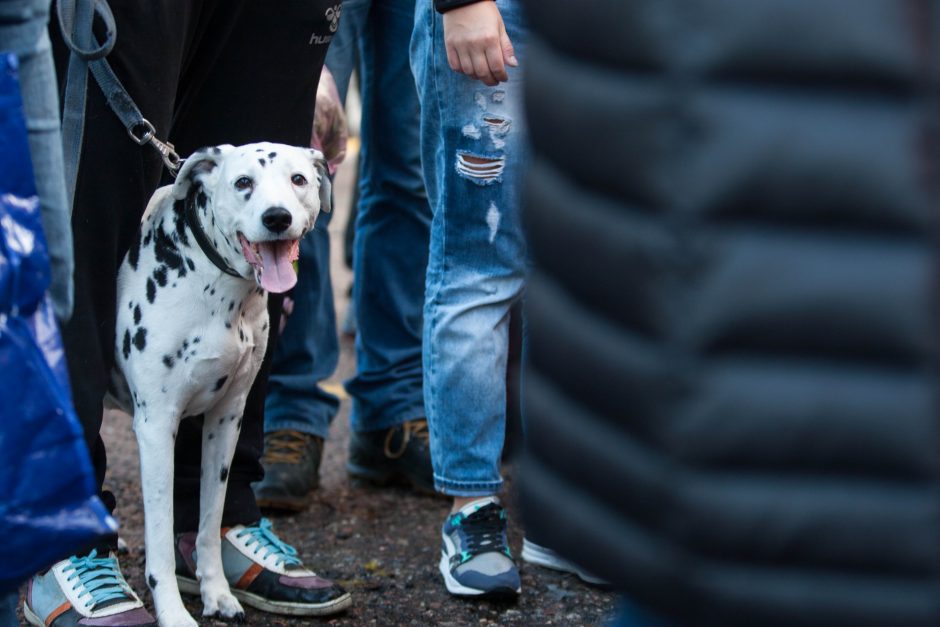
475, 556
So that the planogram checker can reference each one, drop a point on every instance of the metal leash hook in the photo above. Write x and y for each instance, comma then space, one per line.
166, 149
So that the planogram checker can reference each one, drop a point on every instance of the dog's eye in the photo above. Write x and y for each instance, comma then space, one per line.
243, 183
299, 180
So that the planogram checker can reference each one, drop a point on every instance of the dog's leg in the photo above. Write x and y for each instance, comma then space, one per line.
219, 434
156, 436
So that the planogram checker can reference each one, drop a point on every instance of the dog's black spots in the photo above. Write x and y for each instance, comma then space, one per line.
137, 314
151, 290
174, 284
212, 292
232, 417
167, 253
216, 150
241, 336
159, 274
264, 327
189, 262
185, 344
152, 582
201, 199
179, 354
133, 255
262, 162
206, 288
220, 383
130, 304
271, 155
211, 435
140, 339
148, 237
179, 221
196, 339
231, 305
223, 475
228, 325
168, 361
247, 196
239, 425
126, 348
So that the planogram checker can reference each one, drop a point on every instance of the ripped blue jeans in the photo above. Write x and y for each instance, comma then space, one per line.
473, 146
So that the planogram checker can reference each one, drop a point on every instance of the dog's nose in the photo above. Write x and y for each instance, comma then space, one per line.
276, 219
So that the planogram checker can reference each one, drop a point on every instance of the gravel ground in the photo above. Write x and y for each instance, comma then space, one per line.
383, 545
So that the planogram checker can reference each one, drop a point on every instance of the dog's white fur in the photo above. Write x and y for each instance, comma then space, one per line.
190, 338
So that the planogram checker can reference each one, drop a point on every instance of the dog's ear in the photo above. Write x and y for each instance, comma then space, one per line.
200, 167
326, 186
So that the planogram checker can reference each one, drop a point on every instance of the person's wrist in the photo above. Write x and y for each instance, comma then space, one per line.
443, 6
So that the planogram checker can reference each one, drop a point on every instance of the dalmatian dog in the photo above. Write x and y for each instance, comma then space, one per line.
192, 326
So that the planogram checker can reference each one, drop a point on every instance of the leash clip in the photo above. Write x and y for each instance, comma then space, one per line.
166, 149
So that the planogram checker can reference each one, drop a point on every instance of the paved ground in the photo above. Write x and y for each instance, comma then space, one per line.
383, 545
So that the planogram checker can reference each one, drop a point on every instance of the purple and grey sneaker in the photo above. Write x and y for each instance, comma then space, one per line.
264, 572
87, 590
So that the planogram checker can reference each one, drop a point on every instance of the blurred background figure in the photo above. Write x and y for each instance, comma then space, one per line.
731, 398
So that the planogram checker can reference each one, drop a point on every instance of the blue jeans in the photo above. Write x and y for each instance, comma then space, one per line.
473, 145
308, 350
23, 32
393, 223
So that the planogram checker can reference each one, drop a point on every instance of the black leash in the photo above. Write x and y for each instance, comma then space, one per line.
76, 18
192, 221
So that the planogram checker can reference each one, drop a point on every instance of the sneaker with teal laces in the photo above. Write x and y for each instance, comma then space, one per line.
264, 572
475, 556
87, 590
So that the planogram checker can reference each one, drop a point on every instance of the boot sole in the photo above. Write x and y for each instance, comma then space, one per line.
285, 504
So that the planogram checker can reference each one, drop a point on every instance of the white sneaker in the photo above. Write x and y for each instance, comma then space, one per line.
542, 556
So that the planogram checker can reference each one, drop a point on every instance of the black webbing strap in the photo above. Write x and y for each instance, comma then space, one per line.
76, 19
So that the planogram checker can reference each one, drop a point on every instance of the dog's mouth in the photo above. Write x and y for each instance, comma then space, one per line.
272, 261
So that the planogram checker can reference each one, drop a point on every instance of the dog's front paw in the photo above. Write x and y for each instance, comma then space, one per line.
176, 619
222, 605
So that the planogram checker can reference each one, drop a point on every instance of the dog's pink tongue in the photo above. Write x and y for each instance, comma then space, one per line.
278, 274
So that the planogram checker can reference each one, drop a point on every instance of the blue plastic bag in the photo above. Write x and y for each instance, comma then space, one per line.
48, 502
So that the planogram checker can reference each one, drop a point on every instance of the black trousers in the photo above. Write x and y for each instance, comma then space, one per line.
203, 72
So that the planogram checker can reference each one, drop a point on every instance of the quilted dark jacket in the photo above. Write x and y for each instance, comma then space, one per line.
732, 395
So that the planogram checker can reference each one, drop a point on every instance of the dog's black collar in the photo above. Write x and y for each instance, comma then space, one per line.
203, 240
